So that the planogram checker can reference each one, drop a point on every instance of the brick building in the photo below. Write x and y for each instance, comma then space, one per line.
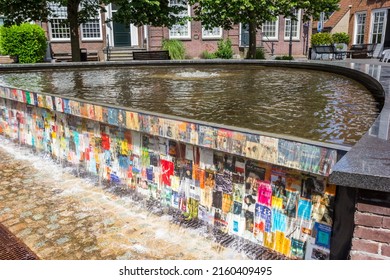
369, 23
338, 21
97, 35
274, 36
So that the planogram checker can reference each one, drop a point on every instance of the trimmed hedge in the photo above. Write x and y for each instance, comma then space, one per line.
27, 42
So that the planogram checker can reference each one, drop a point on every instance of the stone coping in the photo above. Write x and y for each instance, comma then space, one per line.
366, 165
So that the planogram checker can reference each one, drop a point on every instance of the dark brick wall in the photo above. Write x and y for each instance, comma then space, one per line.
371, 239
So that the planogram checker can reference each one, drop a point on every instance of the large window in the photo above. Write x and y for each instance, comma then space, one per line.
270, 30
179, 31
360, 24
91, 30
295, 26
214, 33
59, 29
378, 25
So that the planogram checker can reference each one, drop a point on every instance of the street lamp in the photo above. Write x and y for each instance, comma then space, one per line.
291, 30
290, 44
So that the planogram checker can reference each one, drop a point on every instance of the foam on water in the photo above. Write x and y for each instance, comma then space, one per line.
197, 74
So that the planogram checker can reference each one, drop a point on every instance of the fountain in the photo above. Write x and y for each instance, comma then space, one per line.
252, 164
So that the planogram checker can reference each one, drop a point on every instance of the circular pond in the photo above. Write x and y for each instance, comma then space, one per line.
304, 103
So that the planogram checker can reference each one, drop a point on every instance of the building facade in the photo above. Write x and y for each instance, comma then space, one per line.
369, 23
274, 36
101, 33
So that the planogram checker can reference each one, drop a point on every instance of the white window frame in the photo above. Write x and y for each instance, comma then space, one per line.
240, 36
298, 21
60, 16
209, 33
271, 38
356, 25
188, 23
383, 27
100, 38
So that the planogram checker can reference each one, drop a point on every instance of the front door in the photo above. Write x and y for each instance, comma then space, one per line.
121, 35
244, 32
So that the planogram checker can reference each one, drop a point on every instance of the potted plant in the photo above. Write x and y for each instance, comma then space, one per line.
341, 41
320, 39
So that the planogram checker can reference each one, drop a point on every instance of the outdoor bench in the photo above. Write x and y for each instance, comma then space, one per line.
362, 51
67, 57
151, 55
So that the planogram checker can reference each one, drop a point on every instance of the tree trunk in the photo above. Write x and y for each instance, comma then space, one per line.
73, 6
252, 39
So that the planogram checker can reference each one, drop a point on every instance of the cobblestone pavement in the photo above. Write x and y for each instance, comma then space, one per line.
60, 216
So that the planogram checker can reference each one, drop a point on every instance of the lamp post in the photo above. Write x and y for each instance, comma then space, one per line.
290, 43
291, 29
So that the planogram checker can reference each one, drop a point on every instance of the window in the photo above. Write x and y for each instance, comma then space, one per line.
213, 33
178, 31
59, 29
91, 30
244, 35
360, 19
270, 30
378, 19
1, 21
295, 26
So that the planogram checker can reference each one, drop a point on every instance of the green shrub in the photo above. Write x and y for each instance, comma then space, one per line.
175, 48
284, 57
27, 42
260, 54
225, 50
321, 39
208, 55
340, 38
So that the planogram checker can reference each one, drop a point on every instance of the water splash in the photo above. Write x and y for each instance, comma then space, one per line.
197, 74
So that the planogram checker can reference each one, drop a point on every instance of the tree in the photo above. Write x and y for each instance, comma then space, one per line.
138, 12
149, 12
254, 13
78, 12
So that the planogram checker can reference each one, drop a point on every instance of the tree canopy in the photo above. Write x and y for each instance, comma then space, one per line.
226, 13
138, 12
148, 12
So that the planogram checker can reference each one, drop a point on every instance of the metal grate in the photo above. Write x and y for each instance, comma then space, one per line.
11, 248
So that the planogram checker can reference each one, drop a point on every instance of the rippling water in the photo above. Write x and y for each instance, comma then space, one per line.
310, 104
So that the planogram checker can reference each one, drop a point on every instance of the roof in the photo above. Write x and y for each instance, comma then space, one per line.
338, 15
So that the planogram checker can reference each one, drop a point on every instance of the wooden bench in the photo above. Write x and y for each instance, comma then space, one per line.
67, 57
151, 55
362, 51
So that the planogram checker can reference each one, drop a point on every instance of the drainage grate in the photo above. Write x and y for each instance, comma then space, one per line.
11, 248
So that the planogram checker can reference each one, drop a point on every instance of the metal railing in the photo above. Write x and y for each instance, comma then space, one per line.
108, 47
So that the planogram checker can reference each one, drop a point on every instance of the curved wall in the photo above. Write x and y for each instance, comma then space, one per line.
263, 188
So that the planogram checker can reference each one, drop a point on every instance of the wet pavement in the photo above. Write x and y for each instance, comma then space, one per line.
61, 216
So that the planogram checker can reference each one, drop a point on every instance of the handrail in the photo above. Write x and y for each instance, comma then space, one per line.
108, 48
268, 41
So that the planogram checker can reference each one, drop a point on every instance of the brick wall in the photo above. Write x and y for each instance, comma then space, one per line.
196, 45
281, 46
371, 239
365, 6
65, 47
